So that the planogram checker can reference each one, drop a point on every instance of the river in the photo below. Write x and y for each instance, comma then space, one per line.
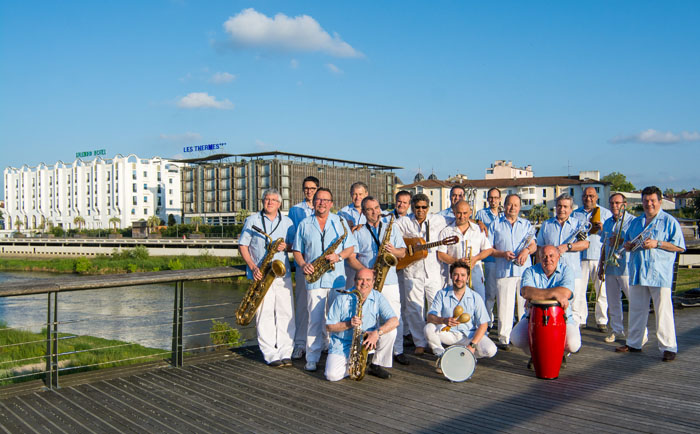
140, 314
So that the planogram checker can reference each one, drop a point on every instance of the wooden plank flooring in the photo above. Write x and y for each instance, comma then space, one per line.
599, 391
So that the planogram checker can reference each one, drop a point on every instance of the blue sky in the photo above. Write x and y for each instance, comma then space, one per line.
448, 86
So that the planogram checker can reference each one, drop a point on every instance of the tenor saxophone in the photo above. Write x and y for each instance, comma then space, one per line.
323, 265
357, 362
384, 261
258, 288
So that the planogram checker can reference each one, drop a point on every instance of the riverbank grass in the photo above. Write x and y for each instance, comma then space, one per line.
23, 352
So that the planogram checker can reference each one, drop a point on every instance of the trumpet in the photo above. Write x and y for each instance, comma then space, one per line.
581, 232
639, 240
524, 243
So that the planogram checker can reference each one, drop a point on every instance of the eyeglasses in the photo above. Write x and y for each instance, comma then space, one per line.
310, 188
323, 200
420, 207
270, 200
494, 197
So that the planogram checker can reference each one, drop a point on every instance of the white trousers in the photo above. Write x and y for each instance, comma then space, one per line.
589, 271
420, 290
639, 314
490, 287
508, 290
301, 314
436, 339
393, 296
316, 300
615, 286
521, 338
579, 305
337, 364
274, 321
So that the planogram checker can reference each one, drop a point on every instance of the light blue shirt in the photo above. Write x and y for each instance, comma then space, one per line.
352, 215
654, 267
367, 248
448, 213
592, 253
444, 305
535, 277
299, 212
553, 234
311, 242
486, 216
257, 243
376, 310
507, 238
608, 234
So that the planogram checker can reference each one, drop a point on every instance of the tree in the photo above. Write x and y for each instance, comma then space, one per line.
115, 221
19, 224
538, 213
696, 207
171, 220
242, 215
619, 182
196, 220
152, 222
78, 220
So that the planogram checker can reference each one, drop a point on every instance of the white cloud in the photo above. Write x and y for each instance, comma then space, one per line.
659, 137
222, 77
334, 69
294, 63
250, 28
203, 100
187, 137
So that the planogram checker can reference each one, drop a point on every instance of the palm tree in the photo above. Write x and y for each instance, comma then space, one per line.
538, 213
152, 222
78, 220
196, 220
19, 224
115, 221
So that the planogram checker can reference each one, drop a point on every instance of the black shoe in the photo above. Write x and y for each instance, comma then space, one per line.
669, 356
563, 362
287, 362
378, 371
603, 328
275, 364
401, 359
627, 349
504, 347
529, 363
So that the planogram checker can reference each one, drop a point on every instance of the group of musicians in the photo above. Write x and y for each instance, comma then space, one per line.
474, 262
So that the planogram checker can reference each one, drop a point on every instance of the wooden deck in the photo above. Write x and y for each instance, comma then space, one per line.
599, 391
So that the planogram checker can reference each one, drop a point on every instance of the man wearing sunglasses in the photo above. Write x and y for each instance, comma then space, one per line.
423, 278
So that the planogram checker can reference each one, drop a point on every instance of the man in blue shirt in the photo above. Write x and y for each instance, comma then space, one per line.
274, 319
301, 317
548, 280
591, 256
370, 237
615, 276
513, 239
314, 236
457, 194
651, 274
486, 216
471, 333
559, 231
352, 213
378, 320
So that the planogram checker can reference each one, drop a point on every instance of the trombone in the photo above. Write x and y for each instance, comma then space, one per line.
615, 254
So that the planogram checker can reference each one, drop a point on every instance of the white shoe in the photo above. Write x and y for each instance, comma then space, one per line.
439, 352
610, 338
298, 353
310, 366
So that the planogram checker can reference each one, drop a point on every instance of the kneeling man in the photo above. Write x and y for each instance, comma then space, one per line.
378, 320
471, 333
549, 280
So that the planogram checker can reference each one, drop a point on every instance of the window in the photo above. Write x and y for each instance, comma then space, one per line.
145, 174
571, 192
544, 202
145, 186
159, 188
133, 176
133, 211
597, 189
544, 192
133, 200
159, 176
108, 175
145, 199
170, 191
159, 201
171, 202
170, 180
133, 188
145, 211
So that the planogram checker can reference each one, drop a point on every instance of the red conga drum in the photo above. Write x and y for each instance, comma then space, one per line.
547, 331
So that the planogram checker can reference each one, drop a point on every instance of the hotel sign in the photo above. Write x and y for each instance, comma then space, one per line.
199, 148
95, 153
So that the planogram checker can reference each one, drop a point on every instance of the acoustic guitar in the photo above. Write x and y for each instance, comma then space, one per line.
417, 249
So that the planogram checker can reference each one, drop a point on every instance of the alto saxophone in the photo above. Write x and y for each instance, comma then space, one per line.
323, 265
258, 288
357, 362
384, 261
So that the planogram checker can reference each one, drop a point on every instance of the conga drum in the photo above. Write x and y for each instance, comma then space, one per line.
547, 332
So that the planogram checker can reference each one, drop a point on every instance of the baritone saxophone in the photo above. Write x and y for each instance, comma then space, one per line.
357, 361
323, 265
384, 261
270, 270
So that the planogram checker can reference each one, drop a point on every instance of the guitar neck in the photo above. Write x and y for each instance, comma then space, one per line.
427, 245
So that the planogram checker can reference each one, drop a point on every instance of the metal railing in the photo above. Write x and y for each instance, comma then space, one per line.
53, 335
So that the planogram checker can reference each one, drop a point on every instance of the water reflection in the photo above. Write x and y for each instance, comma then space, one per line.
141, 314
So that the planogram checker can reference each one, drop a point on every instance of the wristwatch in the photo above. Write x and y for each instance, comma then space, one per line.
472, 344
379, 332
658, 244
569, 246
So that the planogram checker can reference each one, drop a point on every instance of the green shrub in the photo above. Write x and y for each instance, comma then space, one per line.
131, 268
223, 334
175, 264
81, 265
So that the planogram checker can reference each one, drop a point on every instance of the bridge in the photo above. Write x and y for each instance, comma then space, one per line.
234, 391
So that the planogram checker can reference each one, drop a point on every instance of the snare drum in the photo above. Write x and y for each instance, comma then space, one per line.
457, 363
547, 332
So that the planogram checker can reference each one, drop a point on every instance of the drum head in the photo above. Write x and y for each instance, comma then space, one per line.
544, 303
457, 363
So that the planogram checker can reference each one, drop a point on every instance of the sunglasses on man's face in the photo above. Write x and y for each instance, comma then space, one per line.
420, 207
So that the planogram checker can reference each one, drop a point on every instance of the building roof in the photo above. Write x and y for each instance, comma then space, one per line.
289, 155
690, 194
517, 182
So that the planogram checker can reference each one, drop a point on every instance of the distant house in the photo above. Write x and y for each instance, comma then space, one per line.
687, 199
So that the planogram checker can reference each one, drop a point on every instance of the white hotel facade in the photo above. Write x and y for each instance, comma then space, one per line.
126, 187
